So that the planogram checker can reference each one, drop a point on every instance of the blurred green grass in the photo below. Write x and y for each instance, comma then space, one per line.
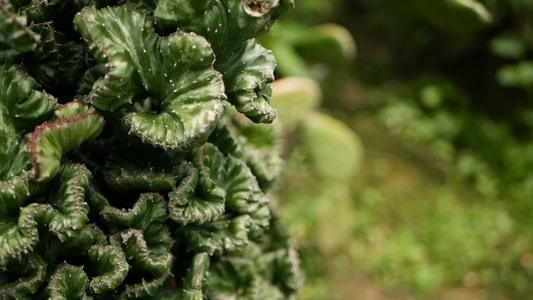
412, 231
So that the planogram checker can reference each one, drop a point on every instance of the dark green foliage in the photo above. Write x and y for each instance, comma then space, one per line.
108, 186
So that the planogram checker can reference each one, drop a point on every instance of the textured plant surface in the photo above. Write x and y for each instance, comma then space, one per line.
125, 171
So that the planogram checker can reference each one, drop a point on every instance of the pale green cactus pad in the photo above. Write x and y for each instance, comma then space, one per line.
456, 15
124, 171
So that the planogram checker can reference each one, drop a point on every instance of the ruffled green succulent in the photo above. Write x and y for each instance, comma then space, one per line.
124, 170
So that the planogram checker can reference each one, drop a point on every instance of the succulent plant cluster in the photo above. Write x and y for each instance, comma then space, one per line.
129, 167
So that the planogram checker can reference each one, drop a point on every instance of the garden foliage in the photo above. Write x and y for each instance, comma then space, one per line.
124, 170
470, 101
454, 75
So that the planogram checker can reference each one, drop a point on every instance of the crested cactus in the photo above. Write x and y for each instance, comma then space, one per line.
126, 168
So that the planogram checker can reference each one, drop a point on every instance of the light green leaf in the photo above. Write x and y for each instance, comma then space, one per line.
519, 75
510, 46
295, 98
459, 16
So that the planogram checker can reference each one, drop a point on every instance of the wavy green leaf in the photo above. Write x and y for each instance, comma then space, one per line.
109, 262
285, 273
219, 236
215, 184
139, 254
15, 37
261, 150
260, 221
197, 199
22, 106
132, 179
175, 74
69, 201
142, 168
144, 289
148, 215
257, 145
121, 175
223, 139
230, 26
281, 258
18, 239
80, 243
32, 274
248, 73
193, 283
67, 282
51, 248
240, 275
16, 186
71, 125
97, 201
148, 209
225, 23
243, 194
13, 194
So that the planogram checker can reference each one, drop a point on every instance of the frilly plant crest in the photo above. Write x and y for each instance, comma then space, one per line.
231, 26
124, 171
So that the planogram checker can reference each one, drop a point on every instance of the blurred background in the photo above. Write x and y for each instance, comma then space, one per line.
408, 132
